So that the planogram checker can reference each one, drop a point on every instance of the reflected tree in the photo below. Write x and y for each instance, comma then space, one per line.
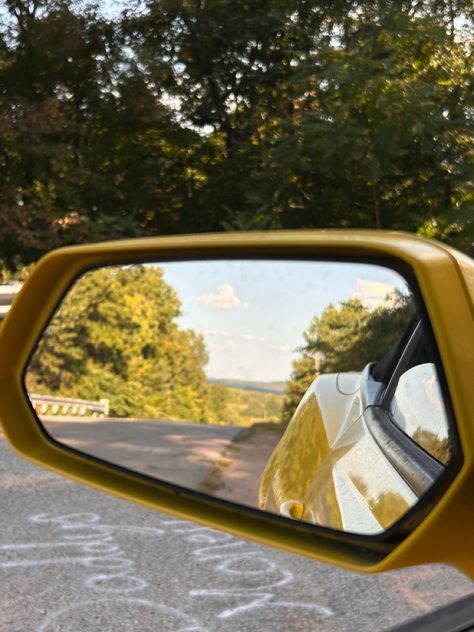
347, 338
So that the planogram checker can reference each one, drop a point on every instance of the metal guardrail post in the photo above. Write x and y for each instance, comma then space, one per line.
67, 406
8, 291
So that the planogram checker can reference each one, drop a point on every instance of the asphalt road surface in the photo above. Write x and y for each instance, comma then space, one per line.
182, 453
227, 461
73, 559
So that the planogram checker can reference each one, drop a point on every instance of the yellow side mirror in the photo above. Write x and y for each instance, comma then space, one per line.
160, 370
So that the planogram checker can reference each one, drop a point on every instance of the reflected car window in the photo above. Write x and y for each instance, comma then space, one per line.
417, 408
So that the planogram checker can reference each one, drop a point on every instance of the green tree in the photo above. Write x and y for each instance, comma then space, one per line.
115, 335
88, 149
382, 137
347, 338
302, 374
325, 114
185, 117
53, 65
218, 400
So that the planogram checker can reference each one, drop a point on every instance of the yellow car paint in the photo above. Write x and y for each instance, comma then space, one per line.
325, 443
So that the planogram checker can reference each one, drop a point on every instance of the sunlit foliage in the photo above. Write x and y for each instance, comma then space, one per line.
116, 336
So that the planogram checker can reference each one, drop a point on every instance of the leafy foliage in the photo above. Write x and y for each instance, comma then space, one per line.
116, 336
383, 138
184, 117
243, 407
346, 338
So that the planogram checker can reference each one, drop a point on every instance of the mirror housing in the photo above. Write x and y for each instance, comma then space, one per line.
445, 280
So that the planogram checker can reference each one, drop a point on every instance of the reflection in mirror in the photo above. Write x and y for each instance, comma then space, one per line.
292, 386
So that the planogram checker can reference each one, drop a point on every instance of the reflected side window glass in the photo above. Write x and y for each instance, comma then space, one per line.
417, 408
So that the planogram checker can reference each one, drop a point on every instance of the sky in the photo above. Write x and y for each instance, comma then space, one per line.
252, 314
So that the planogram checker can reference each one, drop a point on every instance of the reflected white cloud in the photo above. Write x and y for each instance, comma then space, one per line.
215, 333
283, 348
228, 345
374, 293
224, 298
264, 307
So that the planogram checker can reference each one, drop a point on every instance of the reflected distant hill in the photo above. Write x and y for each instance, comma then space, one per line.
261, 387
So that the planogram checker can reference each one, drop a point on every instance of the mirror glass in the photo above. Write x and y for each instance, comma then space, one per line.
291, 386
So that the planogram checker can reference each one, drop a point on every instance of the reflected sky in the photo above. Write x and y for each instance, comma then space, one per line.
252, 314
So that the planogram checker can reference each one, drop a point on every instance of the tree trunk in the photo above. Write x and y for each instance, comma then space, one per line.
376, 206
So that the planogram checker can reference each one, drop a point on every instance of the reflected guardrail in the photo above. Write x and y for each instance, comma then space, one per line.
67, 406
8, 291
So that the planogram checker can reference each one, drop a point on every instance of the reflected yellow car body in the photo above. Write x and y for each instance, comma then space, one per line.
328, 469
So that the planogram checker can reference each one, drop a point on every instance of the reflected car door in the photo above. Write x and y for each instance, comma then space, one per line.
356, 456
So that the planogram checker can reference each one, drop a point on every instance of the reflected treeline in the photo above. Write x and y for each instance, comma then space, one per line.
387, 507
178, 116
116, 336
346, 338
440, 448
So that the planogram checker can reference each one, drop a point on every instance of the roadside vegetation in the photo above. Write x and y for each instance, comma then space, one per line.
345, 337
178, 117
115, 336
245, 407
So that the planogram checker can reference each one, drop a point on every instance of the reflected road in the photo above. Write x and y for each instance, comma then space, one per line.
182, 453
